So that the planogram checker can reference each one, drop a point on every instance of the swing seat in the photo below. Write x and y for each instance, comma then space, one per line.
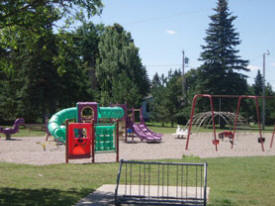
215, 141
228, 134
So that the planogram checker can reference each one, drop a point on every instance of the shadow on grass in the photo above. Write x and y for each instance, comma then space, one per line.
53, 197
222, 202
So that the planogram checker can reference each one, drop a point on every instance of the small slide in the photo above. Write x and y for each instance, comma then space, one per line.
56, 124
144, 133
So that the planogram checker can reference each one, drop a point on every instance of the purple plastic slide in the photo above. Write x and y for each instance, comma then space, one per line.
144, 133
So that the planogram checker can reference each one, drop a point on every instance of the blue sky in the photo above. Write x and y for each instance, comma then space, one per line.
162, 29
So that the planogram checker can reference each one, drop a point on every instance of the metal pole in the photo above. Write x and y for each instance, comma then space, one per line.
236, 119
263, 113
272, 137
183, 77
191, 120
259, 126
213, 120
117, 140
263, 107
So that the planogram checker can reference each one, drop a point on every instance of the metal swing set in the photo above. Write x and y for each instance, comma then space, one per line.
215, 141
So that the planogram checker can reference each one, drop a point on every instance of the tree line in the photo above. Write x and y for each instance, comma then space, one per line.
43, 70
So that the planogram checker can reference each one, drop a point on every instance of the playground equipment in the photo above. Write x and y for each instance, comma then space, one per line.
140, 129
79, 142
181, 133
227, 134
101, 135
204, 119
12, 130
161, 183
240, 98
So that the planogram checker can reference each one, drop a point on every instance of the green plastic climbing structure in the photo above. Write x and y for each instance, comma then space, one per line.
104, 137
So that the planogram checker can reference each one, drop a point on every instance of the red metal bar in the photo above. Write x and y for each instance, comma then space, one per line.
67, 143
236, 117
117, 141
191, 120
236, 120
213, 120
259, 123
244, 96
192, 114
93, 141
272, 137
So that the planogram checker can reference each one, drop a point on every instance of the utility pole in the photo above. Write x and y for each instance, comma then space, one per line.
185, 60
263, 108
183, 77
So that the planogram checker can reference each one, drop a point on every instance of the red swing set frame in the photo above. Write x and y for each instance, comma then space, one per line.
210, 97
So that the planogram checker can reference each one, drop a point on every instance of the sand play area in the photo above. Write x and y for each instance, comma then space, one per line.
30, 150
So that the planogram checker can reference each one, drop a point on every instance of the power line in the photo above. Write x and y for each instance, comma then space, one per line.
163, 65
165, 17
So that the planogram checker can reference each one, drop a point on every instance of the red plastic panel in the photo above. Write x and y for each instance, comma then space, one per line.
79, 140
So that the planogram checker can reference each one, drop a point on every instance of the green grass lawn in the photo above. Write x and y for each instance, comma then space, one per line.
233, 181
167, 129
155, 126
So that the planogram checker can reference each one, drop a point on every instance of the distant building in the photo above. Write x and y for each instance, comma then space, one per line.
145, 105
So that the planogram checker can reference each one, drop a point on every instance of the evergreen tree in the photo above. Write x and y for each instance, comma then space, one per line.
258, 85
174, 93
257, 88
220, 72
27, 69
167, 91
159, 104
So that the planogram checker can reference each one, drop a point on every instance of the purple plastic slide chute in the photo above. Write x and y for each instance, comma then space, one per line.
145, 128
142, 131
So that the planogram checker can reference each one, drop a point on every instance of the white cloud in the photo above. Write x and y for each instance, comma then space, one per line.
171, 32
273, 64
253, 67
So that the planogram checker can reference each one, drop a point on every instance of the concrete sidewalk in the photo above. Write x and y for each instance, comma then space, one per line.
104, 195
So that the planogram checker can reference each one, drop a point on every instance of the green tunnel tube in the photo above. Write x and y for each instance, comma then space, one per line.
56, 124
110, 112
57, 127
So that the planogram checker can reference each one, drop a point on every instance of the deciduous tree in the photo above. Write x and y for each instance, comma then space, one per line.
28, 12
119, 58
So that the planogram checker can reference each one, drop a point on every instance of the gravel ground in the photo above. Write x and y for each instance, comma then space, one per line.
29, 150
